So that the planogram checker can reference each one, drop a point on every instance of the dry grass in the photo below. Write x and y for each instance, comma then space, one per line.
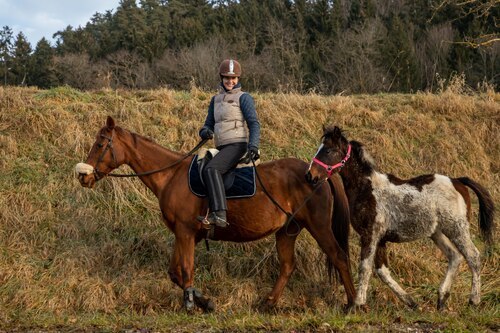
74, 259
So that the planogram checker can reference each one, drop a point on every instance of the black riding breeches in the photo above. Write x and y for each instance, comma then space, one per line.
227, 158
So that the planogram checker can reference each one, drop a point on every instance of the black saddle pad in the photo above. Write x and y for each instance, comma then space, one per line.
239, 183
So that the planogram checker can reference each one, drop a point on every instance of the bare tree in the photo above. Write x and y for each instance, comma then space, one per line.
479, 9
432, 52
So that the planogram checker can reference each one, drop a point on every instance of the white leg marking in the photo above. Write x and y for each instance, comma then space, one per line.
385, 275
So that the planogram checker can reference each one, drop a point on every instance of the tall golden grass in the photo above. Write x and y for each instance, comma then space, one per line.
97, 257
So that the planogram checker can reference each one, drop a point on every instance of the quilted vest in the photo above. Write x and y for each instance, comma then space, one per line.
230, 126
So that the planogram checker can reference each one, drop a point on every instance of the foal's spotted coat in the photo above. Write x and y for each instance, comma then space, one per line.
385, 209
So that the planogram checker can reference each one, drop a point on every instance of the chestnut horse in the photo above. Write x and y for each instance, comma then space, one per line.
385, 209
325, 216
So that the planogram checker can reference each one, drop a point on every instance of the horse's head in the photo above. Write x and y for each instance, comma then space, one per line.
331, 156
105, 155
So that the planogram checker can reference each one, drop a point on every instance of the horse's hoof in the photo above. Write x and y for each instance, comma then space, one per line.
473, 303
353, 308
441, 304
412, 304
210, 306
205, 304
267, 305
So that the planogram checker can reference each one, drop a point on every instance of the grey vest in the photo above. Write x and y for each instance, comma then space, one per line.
230, 126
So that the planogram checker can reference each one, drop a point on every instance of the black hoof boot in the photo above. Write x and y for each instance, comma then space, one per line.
189, 299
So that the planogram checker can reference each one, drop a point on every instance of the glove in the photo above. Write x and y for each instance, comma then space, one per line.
206, 133
254, 153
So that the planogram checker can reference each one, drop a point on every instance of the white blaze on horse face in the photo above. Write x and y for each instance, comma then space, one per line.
317, 152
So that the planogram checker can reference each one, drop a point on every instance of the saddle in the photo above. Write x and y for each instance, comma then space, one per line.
239, 182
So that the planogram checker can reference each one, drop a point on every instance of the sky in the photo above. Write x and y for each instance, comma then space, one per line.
43, 18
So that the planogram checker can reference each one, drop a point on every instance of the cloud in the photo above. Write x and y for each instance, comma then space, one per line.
37, 19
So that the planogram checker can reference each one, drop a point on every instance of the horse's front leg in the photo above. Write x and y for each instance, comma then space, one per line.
181, 271
368, 249
285, 245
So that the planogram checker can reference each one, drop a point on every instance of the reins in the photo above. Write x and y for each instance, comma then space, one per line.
288, 214
146, 173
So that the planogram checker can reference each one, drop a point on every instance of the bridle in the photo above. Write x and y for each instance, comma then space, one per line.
331, 168
100, 174
109, 146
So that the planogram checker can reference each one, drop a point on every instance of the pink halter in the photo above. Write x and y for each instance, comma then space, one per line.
331, 168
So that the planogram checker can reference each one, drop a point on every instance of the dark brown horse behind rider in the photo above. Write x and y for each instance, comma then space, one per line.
325, 215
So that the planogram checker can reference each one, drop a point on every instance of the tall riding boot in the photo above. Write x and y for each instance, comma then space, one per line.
216, 197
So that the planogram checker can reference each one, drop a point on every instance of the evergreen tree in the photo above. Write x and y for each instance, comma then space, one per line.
155, 39
129, 27
43, 74
21, 60
5, 53
398, 56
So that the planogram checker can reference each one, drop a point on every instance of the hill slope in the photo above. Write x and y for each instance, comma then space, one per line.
98, 258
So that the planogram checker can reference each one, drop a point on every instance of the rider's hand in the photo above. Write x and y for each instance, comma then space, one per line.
206, 133
254, 153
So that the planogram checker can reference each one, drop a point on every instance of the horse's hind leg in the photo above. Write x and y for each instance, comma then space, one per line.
382, 269
462, 241
454, 259
326, 240
285, 245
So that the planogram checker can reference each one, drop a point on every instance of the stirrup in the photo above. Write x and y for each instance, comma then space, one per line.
212, 219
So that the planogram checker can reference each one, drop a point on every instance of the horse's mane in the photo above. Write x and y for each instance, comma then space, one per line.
364, 156
135, 137
336, 134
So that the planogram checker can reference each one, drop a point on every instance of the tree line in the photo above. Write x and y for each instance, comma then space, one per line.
326, 46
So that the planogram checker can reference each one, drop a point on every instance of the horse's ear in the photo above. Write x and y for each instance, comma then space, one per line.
110, 123
337, 131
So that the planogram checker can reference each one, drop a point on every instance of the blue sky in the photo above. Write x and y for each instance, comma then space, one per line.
43, 18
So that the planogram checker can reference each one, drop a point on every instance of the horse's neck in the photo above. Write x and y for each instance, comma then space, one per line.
355, 175
145, 155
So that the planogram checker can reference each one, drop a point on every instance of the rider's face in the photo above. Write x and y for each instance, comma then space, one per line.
229, 82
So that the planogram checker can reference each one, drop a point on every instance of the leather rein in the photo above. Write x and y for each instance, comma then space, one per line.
109, 146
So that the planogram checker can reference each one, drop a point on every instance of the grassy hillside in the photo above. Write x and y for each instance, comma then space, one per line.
77, 259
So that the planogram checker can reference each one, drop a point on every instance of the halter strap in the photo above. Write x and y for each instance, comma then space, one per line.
331, 168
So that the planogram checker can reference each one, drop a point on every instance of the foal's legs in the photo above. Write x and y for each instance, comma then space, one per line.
368, 249
454, 259
285, 245
382, 269
326, 240
461, 239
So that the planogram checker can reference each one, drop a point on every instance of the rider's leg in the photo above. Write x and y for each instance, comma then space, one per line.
227, 158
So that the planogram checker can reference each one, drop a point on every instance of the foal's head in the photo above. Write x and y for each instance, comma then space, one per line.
105, 155
332, 154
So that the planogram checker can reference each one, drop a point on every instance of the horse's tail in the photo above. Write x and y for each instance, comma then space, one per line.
486, 209
340, 219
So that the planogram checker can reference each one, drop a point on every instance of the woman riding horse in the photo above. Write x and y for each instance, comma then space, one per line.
233, 120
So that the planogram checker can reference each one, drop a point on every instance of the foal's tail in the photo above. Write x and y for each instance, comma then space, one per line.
486, 209
340, 218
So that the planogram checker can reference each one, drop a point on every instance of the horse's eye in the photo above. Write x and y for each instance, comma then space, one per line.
100, 145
